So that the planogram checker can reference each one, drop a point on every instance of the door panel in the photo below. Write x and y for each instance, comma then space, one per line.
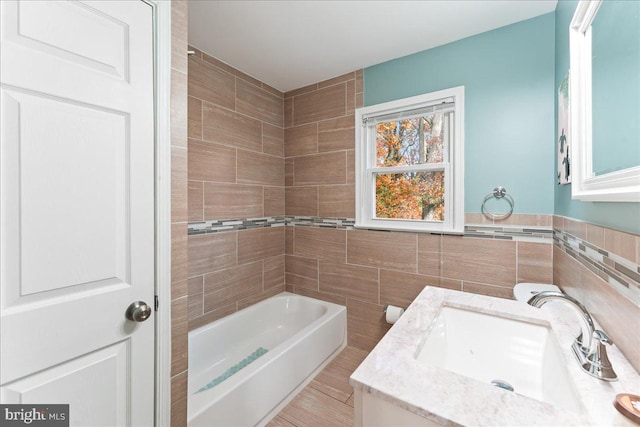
77, 207
58, 204
67, 384
26, 27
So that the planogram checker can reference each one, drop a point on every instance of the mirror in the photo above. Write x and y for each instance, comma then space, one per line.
605, 101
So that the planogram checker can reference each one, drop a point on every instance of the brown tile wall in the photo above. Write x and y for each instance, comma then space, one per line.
179, 213
366, 269
319, 147
617, 315
235, 171
232, 270
538, 220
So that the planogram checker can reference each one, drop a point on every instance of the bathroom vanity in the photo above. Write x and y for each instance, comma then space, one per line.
436, 367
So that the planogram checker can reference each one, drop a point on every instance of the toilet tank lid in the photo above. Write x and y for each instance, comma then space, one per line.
524, 291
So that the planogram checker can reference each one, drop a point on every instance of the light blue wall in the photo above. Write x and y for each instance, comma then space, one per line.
508, 76
621, 216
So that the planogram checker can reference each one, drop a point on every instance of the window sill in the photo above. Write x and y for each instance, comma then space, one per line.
409, 229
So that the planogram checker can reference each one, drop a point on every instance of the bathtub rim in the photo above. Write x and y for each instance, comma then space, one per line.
202, 400
332, 309
202, 329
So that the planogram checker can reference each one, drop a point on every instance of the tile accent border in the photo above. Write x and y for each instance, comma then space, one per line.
620, 273
515, 233
314, 221
511, 232
217, 226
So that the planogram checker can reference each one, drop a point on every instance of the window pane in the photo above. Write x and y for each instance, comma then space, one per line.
412, 141
415, 196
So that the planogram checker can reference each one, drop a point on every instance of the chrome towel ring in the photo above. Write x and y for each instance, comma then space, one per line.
498, 193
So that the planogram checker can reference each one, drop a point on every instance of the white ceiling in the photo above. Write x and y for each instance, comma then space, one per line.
290, 44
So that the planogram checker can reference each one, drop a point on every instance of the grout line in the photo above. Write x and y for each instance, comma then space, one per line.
203, 183
233, 110
310, 385
345, 402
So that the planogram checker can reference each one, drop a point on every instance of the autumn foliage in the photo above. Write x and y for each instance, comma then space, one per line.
410, 195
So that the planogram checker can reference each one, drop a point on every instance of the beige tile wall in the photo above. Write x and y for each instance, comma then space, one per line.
319, 147
179, 214
235, 171
366, 269
617, 315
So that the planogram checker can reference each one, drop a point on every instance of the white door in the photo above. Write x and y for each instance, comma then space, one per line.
77, 208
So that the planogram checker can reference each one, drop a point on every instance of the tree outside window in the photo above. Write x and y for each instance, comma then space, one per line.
410, 195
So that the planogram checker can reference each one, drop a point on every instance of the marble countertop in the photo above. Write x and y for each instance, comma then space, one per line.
392, 373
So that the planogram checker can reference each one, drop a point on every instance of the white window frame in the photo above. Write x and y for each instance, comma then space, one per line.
619, 186
454, 170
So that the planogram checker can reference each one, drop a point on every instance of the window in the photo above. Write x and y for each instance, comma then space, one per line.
410, 163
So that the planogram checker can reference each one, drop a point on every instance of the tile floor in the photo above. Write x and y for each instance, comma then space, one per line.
328, 399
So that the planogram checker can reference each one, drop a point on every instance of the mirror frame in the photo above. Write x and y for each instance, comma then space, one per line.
618, 186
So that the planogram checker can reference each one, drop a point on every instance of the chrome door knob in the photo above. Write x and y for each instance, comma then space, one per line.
138, 311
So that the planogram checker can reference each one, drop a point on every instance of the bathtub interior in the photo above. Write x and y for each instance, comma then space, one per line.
231, 343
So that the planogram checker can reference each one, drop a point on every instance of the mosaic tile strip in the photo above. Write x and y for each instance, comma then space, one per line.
620, 273
216, 226
314, 221
517, 233
532, 234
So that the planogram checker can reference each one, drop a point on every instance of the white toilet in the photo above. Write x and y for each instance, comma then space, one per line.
524, 291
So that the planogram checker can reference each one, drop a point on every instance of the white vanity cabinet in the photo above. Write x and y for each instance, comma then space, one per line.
372, 411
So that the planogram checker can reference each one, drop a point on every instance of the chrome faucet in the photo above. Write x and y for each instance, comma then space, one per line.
589, 346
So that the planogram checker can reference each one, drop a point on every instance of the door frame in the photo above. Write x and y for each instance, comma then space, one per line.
162, 115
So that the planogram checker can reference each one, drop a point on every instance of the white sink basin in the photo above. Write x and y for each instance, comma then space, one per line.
490, 348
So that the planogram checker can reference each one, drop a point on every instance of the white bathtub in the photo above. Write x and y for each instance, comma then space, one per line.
300, 335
